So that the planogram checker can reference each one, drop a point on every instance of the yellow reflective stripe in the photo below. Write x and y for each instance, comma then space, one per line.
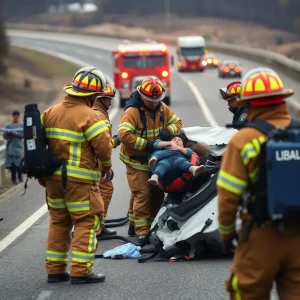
234, 284
83, 257
126, 126
139, 143
231, 183
150, 132
81, 173
56, 203
135, 165
251, 149
226, 230
254, 175
113, 143
76, 206
92, 238
131, 217
75, 154
95, 129
173, 120
52, 255
65, 135
142, 222
106, 163
173, 129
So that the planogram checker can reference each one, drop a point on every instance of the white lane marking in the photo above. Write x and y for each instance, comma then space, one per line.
206, 111
98, 56
40, 212
23, 227
44, 295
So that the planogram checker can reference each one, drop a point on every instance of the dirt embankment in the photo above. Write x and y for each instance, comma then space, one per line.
31, 77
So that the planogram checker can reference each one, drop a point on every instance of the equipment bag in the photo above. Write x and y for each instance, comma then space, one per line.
277, 188
38, 161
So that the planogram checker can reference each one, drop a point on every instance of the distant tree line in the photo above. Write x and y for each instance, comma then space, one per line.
281, 14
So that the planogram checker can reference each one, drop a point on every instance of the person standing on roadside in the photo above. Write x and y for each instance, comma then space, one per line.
14, 147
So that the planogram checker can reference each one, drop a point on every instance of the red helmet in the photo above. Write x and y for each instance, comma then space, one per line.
232, 90
262, 87
110, 91
152, 89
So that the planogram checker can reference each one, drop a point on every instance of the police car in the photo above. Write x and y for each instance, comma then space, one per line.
230, 68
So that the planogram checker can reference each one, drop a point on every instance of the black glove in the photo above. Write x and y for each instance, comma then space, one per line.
112, 175
117, 140
230, 245
149, 147
165, 135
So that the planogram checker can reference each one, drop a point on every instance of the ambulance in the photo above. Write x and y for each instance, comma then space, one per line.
190, 51
133, 62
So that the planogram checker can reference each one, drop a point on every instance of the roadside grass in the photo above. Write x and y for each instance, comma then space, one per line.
46, 76
51, 65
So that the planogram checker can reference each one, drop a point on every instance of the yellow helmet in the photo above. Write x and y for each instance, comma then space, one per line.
264, 86
86, 82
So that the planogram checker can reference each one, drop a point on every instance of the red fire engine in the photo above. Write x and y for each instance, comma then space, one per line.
133, 62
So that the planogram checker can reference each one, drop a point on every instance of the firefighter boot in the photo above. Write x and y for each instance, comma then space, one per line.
92, 278
131, 231
54, 278
105, 231
142, 238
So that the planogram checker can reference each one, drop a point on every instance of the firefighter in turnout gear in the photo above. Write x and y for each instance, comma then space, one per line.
263, 254
230, 94
145, 118
80, 137
101, 107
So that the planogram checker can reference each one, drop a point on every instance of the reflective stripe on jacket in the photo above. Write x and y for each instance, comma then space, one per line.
77, 135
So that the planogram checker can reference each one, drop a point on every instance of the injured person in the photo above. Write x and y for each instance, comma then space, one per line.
173, 157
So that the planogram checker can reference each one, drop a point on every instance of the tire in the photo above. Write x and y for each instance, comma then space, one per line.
167, 101
122, 102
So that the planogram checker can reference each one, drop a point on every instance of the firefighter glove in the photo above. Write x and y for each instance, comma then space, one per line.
230, 245
116, 140
112, 175
149, 147
165, 135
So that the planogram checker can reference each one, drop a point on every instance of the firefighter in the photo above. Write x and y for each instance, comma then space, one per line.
230, 94
101, 107
77, 135
263, 254
144, 119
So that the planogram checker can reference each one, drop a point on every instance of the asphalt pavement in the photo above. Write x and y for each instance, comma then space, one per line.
194, 98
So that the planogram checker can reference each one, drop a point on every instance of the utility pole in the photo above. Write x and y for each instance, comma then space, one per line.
167, 15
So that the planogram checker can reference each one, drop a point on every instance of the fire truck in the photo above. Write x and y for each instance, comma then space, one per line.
133, 62
190, 50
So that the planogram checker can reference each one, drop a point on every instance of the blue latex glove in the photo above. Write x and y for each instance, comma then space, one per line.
117, 140
128, 250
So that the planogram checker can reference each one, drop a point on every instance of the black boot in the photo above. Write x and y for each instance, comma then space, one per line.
131, 231
105, 231
93, 278
53, 278
142, 238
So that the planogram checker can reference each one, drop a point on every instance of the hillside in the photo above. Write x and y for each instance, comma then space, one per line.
214, 29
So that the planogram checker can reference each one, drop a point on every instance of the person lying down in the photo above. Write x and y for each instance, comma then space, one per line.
172, 157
